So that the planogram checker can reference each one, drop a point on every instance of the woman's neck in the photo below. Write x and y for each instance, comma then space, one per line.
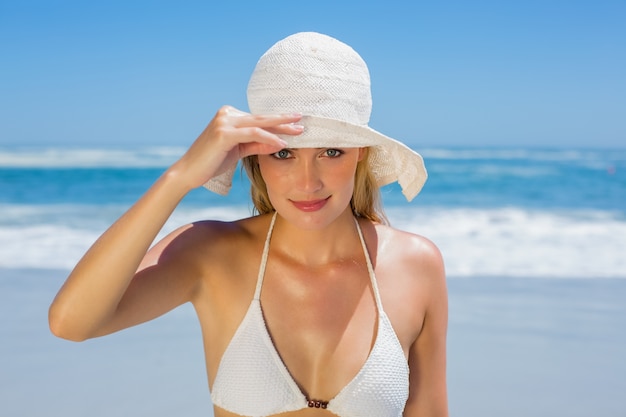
338, 241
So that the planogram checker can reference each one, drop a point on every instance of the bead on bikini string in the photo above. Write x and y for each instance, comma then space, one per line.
316, 403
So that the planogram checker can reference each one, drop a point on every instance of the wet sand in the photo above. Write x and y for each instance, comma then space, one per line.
516, 347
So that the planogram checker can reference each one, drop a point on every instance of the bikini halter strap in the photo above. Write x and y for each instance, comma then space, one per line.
370, 268
266, 250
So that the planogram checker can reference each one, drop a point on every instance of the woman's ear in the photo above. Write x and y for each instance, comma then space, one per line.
362, 153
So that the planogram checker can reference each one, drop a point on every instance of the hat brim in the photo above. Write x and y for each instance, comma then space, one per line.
389, 159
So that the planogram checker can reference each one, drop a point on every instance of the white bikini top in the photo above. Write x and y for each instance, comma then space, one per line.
253, 381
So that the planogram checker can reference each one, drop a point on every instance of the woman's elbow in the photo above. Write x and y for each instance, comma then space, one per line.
61, 326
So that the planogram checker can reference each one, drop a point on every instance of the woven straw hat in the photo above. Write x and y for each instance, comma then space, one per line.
329, 83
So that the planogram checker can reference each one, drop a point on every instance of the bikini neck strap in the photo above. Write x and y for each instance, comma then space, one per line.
266, 249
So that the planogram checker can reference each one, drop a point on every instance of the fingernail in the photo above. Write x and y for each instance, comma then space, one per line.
297, 127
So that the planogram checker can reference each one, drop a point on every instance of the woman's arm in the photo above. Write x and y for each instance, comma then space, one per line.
116, 284
427, 356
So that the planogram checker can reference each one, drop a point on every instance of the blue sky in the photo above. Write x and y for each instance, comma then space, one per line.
549, 73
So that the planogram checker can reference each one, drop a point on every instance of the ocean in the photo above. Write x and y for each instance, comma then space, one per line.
493, 212
534, 242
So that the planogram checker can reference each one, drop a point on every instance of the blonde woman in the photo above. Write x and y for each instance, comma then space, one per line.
314, 306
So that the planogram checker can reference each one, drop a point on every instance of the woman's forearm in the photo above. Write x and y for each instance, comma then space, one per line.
95, 287
89, 299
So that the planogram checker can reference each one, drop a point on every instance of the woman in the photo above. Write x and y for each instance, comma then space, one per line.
315, 306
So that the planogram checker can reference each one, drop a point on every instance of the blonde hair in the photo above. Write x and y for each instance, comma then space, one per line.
366, 201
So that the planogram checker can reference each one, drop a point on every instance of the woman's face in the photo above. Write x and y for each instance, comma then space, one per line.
310, 187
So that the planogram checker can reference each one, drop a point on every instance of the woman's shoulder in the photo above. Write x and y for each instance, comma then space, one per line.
213, 240
411, 276
406, 246
409, 260
223, 235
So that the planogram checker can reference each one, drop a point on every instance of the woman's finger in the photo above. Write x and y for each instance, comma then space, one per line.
256, 148
241, 119
248, 135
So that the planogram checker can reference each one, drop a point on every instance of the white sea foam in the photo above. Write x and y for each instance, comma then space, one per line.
78, 158
523, 243
164, 156
493, 170
57, 236
475, 242
555, 155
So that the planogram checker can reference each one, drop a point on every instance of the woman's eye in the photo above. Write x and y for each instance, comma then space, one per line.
333, 153
282, 154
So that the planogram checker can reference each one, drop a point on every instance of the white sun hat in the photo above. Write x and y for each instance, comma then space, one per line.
329, 84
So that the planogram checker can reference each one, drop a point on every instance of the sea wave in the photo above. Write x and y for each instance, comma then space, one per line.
546, 155
60, 157
501, 242
516, 242
89, 158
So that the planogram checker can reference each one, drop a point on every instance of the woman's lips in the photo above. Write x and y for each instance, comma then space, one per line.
310, 205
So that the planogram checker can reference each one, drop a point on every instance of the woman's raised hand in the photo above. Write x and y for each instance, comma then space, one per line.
231, 135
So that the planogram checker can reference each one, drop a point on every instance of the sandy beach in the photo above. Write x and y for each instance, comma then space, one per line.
517, 348
537, 347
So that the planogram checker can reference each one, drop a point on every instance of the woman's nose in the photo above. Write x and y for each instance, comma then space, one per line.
308, 177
